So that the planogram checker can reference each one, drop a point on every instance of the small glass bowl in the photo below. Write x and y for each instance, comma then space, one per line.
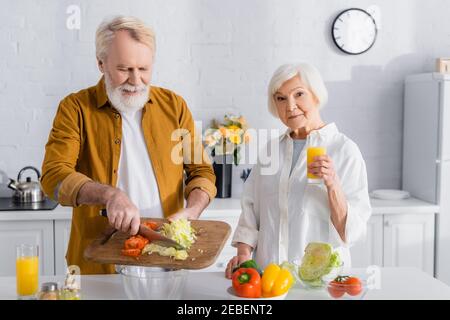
347, 291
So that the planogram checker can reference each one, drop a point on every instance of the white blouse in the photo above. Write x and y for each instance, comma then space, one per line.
281, 213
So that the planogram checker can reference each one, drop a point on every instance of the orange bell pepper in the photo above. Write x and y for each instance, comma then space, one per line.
247, 283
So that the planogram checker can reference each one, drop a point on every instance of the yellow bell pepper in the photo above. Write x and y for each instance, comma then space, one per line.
276, 281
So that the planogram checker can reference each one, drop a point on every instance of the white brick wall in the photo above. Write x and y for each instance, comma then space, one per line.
219, 55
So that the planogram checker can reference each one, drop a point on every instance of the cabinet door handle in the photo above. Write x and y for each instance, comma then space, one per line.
387, 224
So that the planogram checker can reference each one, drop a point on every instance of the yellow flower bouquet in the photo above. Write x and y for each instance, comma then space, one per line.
226, 138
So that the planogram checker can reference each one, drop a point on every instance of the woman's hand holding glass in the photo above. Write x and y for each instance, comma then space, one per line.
323, 168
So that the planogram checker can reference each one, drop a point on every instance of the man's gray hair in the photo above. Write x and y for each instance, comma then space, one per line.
137, 29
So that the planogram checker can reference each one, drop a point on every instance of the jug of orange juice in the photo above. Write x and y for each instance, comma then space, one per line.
27, 271
312, 152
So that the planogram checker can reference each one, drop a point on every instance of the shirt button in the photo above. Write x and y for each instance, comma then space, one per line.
117, 141
117, 116
115, 171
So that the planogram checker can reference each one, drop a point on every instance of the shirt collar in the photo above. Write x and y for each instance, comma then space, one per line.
328, 130
102, 97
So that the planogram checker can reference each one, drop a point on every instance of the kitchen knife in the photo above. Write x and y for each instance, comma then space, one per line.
153, 236
158, 238
107, 234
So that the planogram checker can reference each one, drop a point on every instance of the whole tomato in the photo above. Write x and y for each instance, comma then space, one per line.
353, 286
336, 289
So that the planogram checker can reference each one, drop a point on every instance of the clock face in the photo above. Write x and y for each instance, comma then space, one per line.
354, 31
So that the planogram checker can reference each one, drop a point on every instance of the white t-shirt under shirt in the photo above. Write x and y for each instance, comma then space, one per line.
135, 175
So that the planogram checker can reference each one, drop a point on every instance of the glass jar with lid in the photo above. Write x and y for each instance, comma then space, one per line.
49, 291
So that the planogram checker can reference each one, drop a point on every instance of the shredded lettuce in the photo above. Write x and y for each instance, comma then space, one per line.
179, 231
165, 251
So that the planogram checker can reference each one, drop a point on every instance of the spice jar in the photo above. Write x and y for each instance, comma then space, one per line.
49, 291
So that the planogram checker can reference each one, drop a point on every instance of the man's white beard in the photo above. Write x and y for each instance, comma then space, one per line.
123, 103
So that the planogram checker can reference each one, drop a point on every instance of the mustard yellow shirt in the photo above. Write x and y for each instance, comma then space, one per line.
84, 145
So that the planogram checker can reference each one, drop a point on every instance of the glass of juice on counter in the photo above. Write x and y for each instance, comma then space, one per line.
310, 154
27, 271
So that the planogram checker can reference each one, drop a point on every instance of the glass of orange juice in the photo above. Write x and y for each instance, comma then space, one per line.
27, 271
310, 154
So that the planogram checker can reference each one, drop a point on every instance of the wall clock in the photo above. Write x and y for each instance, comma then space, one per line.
354, 31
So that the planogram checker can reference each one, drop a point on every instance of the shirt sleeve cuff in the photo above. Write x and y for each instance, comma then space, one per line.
353, 230
69, 188
204, 184
245, 235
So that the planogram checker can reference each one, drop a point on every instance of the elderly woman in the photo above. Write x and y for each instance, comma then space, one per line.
282, 212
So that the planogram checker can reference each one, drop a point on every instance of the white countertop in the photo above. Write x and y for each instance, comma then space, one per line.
59, 213
396, 283
411, 205
232, 207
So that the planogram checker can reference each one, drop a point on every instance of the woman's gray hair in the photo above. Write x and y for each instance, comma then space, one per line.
137, 29
309, 75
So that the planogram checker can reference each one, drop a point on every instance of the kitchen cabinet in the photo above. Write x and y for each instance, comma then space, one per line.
14, 233
409, 241
62, 236
397, 240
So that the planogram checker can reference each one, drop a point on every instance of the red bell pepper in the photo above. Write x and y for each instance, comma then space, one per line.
247, 283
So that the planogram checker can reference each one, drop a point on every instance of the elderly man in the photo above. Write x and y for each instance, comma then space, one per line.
112, 146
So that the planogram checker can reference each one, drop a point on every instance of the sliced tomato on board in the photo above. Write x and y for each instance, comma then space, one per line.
151, 224
131, 252
136, 242
133, 246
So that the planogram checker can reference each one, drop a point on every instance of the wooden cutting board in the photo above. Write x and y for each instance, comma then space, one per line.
211, 238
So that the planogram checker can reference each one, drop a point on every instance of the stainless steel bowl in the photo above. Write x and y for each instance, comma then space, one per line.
145, 283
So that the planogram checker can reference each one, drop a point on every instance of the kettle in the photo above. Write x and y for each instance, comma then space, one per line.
28, 191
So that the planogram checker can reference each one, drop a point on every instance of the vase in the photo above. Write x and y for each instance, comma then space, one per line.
223, 169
